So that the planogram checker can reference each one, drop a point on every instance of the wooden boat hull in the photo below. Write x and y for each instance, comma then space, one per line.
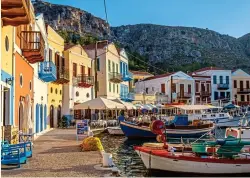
134, 131
165, 161
115, 131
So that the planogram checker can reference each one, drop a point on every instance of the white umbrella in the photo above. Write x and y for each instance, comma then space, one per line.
99, 103
138, 106
126, 104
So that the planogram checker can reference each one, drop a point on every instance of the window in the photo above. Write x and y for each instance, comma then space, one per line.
60, 92
208, 87
56, 91
117, 88
89, 71
221, 79
189, 88
109, 87
109, 65
197, 89
63, 62
30, 85
21, 80
228, 95
82, 69
50, 55
117, 68
222, 94
242, 97
214, 79
98, 64
215, 95
248, 84
121, 69
113, 88
87, 95
163, 90
173, 88
77, 94
227, 79
74, 69
248, 98
147, 90
57, 60
6, 43
51, 90
113, 67
235, 83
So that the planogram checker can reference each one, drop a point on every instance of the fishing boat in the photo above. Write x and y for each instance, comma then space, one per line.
211, 157
178, 127
115, 131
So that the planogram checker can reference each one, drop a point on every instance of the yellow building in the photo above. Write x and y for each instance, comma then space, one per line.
7, 76
137, 76
56, 47
108, 69
80, 86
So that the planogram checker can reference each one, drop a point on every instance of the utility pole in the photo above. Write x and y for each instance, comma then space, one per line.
171, 83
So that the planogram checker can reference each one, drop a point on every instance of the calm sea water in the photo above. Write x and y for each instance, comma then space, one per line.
126, 159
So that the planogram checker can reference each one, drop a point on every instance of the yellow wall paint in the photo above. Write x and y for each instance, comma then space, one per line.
56, 43
6, 56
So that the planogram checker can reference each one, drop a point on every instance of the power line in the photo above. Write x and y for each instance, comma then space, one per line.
106, 12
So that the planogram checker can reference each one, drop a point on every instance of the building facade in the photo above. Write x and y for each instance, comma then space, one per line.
221, 84
108, 69
241, 87
80, 86
127, 76
202, 89
182, 90
55, 93
137, 76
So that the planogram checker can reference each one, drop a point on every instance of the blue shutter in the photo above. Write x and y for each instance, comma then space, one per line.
37, 118
41, 117
214, 79
45, 116
121, 67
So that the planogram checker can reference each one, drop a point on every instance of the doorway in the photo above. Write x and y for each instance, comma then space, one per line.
21, 110
59, 113
241, 86
182, 90
51, 116
6, 106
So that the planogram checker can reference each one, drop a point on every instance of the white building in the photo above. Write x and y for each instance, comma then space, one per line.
241, 87
40, 113
182, 87
221, 83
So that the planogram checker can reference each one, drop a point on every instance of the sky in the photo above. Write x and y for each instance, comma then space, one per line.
230, 17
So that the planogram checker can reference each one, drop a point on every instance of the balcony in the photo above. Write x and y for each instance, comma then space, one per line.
62, 75
115, 77
16, 12
127, 77
243, 90
223, 86
84, 81
32, 46
47, 71
205, 93
128, 97
184, 95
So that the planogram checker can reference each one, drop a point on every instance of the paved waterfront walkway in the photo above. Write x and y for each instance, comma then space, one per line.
57, 154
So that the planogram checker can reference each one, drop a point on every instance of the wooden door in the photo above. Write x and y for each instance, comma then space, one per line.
163, 88
182, 90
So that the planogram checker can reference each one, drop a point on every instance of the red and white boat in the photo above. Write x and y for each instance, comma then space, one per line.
164, 160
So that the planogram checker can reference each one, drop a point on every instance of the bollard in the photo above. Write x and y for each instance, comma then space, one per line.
106, 157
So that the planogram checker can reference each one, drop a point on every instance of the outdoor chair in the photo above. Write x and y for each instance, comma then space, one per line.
12, 156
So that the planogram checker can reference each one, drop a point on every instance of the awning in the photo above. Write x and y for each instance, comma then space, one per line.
231, 106
99, 103
195, 107
126, 104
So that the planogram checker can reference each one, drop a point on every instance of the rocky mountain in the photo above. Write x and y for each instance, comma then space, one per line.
163, 46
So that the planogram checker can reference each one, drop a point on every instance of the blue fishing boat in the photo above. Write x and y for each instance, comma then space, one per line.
178, 127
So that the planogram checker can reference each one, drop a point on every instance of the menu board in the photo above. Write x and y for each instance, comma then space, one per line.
81, 127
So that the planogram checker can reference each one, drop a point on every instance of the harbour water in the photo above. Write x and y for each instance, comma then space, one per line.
124, 156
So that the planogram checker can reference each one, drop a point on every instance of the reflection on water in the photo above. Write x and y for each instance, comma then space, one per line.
124, 156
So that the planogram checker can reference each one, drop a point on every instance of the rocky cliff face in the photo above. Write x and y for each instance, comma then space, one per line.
72, 19
160, 44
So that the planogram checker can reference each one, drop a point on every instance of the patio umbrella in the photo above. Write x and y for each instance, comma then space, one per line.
231, 106
126, 104
138, 106
99, 103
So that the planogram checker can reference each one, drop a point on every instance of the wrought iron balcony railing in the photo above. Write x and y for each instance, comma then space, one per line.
243, 90
84, 81
47, 71
182, 95
115, 77
62, 75
223, 86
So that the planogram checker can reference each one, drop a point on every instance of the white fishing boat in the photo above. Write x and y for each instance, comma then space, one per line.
188, 163
115, 131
